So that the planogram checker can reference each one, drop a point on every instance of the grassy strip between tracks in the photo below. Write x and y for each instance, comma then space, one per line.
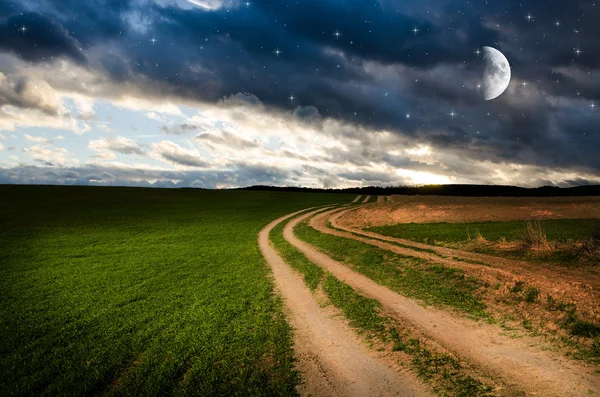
440, 369
413, 277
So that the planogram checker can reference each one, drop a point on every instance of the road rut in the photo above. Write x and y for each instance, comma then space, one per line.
517, 362
330, 356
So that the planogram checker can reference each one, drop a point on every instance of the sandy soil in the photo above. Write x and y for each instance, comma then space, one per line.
424, 209
366, 199
577, 285
380, 199
331, 358
356, 199
518, 362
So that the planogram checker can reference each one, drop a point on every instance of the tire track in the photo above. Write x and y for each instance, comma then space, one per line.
330, 356
516, 361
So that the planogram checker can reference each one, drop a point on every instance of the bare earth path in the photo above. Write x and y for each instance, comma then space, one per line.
490, 259
366, 200
583, 288
330, 356
356, 198
517, 362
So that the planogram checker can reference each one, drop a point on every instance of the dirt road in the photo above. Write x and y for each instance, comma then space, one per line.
575, 283
366, 200
518, 362
331, 358
356, 198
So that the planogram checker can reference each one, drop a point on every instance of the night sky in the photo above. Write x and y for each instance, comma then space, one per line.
320, 93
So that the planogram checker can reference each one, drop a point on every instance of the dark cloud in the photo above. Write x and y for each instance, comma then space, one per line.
378, 73
239, 175
42, 39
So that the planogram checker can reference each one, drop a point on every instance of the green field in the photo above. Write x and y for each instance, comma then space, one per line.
564, 240
556, 230
126, 291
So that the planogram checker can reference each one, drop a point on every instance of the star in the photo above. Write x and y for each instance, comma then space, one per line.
524, 83
593, 106
408, 115
291, 98
415, 30
337, 34
477, 52
557, 23
23, 29
153, 40
529, 17
452, 114
577, 52
247, 4
277, 52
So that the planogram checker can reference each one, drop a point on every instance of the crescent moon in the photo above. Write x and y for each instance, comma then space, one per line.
496, 73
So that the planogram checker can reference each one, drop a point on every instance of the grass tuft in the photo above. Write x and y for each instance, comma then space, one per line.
584, 328
532, 294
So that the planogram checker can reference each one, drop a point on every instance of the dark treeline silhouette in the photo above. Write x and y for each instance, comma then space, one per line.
451, 190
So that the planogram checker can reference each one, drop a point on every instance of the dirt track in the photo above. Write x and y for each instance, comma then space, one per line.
366, 200
330, 356
518, 362
427, 209
574, 284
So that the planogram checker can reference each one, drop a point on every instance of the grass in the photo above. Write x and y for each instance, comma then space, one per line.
141, 291
555, 230
364, 315
554, 240
414, 277
312, 273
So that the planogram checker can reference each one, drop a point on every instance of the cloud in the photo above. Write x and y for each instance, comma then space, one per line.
366, 101
47, 156
28, 93
118, 144
37, 139
42, 39
172, 153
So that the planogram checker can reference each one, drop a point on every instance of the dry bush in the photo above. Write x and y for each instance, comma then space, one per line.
590, 248
534, 238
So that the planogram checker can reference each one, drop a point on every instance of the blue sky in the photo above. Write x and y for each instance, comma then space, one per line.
329, 93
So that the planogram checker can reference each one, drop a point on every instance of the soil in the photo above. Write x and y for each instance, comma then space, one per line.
331, 358
427, 209
519, 363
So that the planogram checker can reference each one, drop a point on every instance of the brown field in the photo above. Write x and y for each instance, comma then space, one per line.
426, 209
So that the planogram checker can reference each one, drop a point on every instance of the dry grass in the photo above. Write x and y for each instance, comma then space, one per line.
535, 239
591, 246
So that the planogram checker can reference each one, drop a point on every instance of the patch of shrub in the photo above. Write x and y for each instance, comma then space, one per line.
518, 287
585, 328
596, 347
591, 246
532, 295
534, 238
